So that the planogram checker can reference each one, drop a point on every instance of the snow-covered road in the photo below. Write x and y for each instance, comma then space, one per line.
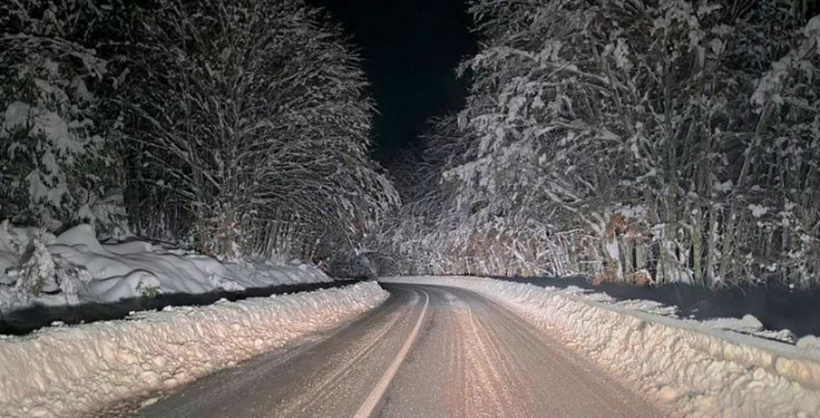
429, 351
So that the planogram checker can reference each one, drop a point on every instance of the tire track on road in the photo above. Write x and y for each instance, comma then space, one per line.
315, 394
369, 406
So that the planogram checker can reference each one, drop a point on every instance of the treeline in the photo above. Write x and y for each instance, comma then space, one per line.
629, 140
238, 127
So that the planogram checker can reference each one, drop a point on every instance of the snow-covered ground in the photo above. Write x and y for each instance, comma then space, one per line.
692, 369
74, 267
66, 371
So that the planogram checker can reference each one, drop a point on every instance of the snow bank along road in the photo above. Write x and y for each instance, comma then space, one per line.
71, 371
437, 347
428, 351
690, 368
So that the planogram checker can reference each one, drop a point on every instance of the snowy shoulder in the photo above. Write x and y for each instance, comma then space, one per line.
690, 368
69, 371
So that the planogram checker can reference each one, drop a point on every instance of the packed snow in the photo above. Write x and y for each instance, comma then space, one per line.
39, 268
67, 371
690, 368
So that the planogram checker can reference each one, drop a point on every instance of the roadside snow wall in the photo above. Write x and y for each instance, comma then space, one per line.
66, 371
688, 368
74, 268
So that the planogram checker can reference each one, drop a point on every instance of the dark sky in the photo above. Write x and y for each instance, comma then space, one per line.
411, 48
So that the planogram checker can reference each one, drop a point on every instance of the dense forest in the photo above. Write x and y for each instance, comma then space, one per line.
643, 141
639, 141
235, 127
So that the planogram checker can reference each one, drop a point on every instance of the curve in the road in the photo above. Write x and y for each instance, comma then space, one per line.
369, 405
456, 354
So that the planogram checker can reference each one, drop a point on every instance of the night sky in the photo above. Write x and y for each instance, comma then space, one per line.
411, 49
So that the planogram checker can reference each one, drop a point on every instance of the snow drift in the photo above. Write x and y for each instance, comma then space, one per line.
66, 371
74, 267
693, 369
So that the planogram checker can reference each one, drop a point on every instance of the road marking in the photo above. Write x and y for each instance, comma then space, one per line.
372, 401
308, 399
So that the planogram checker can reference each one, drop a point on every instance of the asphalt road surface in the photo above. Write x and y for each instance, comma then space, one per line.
428, 351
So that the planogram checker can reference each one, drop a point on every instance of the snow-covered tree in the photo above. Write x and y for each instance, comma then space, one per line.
626, 138
56, 160
251, 118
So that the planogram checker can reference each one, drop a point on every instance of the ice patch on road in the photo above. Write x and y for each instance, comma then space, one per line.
692, 369
66, 371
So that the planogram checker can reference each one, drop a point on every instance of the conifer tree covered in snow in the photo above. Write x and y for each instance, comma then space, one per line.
56, 145
673, 140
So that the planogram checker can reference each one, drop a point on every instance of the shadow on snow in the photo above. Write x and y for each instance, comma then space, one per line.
26, 320
777, 307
